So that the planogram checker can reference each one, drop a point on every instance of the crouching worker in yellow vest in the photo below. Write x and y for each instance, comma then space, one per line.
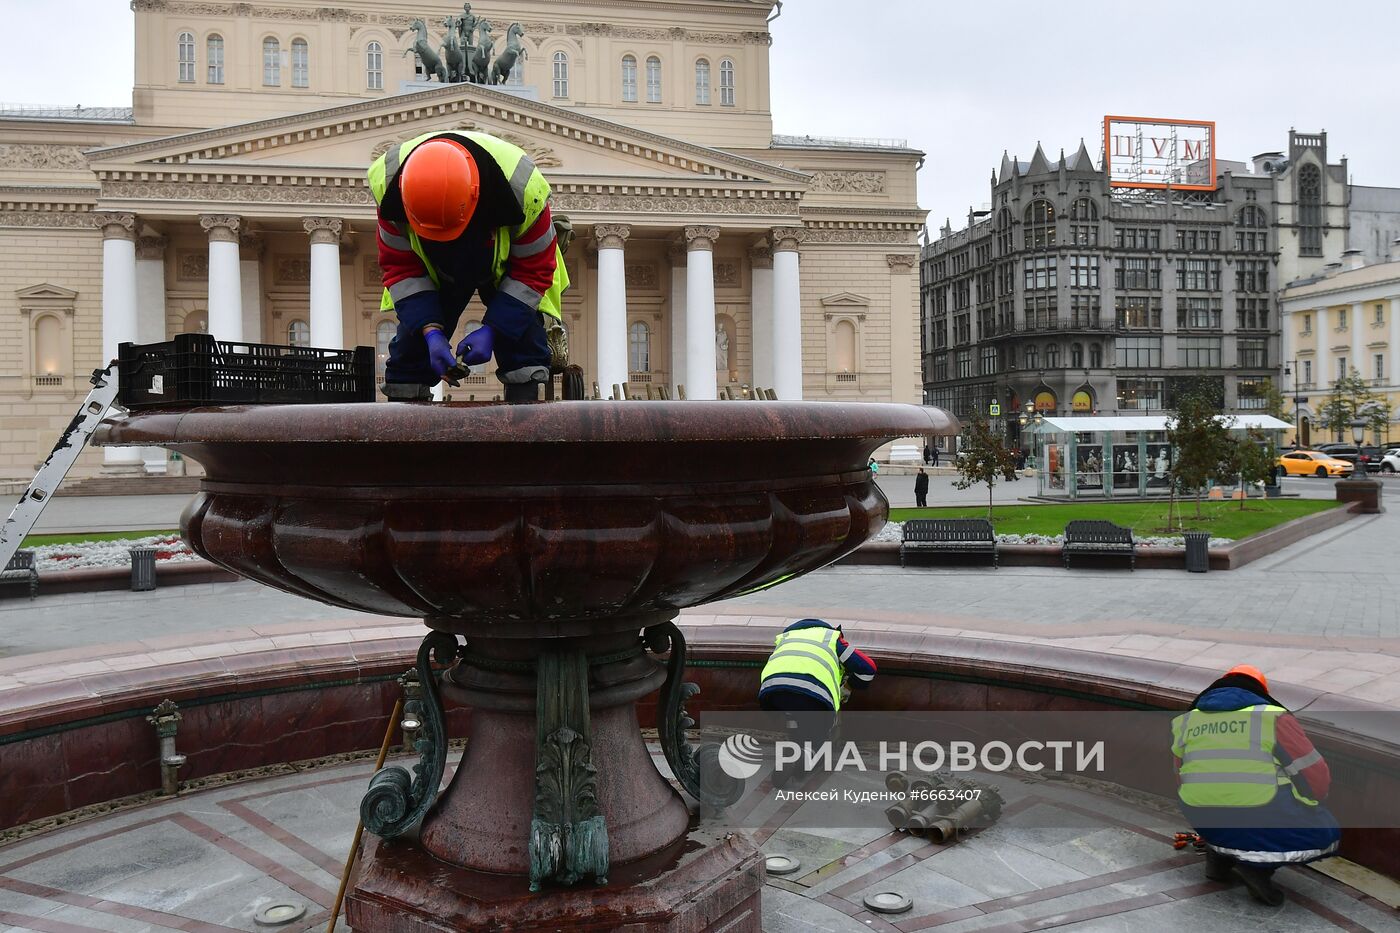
462, 214
1251, 783
807, 675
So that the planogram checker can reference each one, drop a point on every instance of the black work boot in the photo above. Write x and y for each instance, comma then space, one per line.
1260, 882
1218, 867
406, 392
522, 391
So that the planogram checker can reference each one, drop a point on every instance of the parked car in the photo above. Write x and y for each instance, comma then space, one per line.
1313, 463
1348, 452
1372, 456
1390, 460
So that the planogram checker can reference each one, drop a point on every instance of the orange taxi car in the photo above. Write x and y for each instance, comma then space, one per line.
1313, 463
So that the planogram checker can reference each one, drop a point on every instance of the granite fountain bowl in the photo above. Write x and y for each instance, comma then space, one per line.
531, 519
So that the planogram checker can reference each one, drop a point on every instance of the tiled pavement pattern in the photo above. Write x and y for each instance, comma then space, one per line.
1060, 858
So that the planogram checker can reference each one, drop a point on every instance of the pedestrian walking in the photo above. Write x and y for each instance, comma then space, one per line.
935, 456
921, 489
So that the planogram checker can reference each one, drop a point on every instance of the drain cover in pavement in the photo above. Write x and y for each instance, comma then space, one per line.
888, 902
274, 915
781, 864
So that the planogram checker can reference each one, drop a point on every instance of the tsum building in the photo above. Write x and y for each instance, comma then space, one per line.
231, 198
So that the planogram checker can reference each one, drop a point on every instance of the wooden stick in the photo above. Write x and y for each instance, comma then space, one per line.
359, 826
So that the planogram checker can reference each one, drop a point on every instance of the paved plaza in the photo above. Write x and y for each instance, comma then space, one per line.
1060, 857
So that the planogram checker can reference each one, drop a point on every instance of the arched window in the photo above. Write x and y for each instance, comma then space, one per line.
1310, 210
726, 83
272, 62
1032, 356
196, 322
561, 74
383, 333
48, 346
1040, 224
1095, 356
639, 347
184, 52
653, 80
1251, 216
374, 66
1083, 209
214, 55
1052, 356
845, 347
629, 78
301, 64
702, 81
1076, 356
299, 334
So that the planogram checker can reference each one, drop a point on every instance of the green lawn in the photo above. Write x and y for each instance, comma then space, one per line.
41, 540
1220, 519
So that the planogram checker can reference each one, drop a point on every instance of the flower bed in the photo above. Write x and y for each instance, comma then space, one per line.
168, 548
894, 531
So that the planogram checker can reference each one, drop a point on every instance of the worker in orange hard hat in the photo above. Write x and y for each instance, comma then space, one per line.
1251, 783
463, 214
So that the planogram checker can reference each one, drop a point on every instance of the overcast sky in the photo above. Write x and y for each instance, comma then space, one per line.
960, 80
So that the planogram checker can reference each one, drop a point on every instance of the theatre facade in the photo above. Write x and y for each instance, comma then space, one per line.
231, 199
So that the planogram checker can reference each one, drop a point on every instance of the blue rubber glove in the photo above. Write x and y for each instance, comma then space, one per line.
476, 347
440, 353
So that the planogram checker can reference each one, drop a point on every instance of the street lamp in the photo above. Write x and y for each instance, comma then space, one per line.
1289, 368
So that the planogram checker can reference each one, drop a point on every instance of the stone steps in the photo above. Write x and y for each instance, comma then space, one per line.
132, 486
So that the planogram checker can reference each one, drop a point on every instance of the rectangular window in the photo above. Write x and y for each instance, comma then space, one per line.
1198, 275
1307, 323
1252, 313
1341, 367
1040, 273
940, 368
962, 329
1139, 394
1198, 352
1341, 319
989, 361
1252, 241
1253, 352
1307, 372
1138, 273
1192, 238
1380, 314
1198, 313
1042, 312
1139, 312
962, 294
1380, 367
1253, 394
964, 364
1084, 235
1137, 238
1138, 352
1252, 275
1085, 310
1084, 272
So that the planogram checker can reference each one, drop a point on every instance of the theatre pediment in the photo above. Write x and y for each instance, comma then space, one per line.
345, 139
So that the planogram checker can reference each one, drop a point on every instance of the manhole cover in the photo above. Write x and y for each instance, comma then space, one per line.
888, 902
275, 915
781, 864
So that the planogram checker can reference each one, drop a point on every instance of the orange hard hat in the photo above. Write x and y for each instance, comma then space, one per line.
440, 186
1249, 670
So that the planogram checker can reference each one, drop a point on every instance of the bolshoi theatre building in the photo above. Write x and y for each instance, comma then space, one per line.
231, 199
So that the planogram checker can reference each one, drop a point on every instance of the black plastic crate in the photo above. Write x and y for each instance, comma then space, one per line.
196, 369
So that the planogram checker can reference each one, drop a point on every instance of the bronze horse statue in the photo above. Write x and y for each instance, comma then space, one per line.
453, 56
479, 64
514, 52
432, 64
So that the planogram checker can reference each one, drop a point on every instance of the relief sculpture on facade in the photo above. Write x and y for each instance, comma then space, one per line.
849, 182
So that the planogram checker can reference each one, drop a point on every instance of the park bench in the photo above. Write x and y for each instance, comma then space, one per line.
1099, 539
21, 568
948, 536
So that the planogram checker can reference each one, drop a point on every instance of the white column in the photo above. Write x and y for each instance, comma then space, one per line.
700, 368
611, 331
905, 383
327, 322
1392, 348
1323, 376
787, 313
761, 259
250, 269
225, 276
119, 316
1360, 336
150, 318
678, 334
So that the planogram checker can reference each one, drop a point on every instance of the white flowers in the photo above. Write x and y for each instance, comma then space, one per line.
52, 557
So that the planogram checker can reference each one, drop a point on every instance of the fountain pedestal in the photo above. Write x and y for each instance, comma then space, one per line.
549, 547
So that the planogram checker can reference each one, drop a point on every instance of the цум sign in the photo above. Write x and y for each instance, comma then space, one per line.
1145, 152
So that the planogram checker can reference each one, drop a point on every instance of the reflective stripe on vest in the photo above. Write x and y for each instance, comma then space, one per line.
1227, 757
811, 652
529, 189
